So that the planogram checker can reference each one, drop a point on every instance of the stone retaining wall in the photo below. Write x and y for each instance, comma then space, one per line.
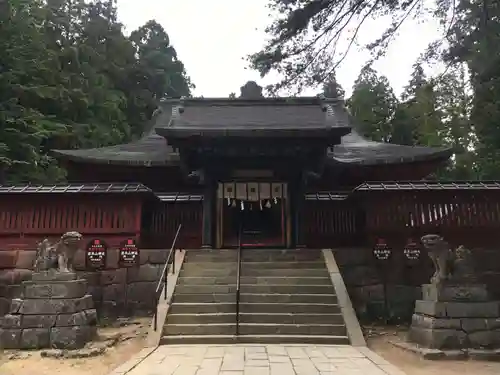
364, 281
116, 291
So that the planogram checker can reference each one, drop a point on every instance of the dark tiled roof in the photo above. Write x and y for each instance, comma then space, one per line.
429, 185
152, 149
356, 150
258, 114
76, 188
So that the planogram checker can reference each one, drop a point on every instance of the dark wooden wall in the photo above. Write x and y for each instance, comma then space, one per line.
463, 217
161, 220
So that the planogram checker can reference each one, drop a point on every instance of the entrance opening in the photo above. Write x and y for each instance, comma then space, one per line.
261, 222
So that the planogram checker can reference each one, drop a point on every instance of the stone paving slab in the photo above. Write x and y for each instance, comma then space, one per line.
263, 360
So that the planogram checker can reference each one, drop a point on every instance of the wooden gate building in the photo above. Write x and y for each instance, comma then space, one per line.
286, 172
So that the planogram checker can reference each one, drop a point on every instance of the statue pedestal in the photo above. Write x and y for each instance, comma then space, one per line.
54, 311
455, 317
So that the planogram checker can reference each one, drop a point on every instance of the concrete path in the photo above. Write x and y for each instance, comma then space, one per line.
261, 360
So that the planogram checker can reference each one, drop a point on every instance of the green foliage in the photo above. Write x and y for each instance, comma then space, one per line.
304, 37
430, 112
69, 77
373, 105
475, 41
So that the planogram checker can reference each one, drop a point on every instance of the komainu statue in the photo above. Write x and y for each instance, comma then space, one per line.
58, 256
453, 266
463, 266
441, 255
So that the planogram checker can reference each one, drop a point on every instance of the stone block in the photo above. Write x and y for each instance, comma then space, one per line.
53, 276
55, 290
142, 292
429, 322
147, 272
95, 292
473, 309
34, 338
79, 261
71, 337
25, 259
470, 325
484, 339
360, 276
15, 305
112, 309
70, 320
353, 256
14, 276
55, 306
153, 256
10, 321
112, 259
38, 321
455, 293
438, 338
11, 291
431, 308
93, 278
458, 309
91, 317
10, 338
116, 276
8, 259
4, 306
115, 292
369, 293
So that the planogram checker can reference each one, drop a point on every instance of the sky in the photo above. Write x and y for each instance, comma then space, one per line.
213, 37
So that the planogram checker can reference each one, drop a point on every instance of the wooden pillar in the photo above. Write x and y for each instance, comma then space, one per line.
208, 216
295, 194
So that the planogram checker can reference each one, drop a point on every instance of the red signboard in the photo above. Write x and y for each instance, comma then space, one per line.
95, 254
412, 250
381, 250
128, 253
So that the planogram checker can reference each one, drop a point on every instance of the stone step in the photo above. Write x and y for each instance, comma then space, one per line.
291, 318
286, 289
205, 289
254, 339
253, 308
285, 308
197, 329
292, 329
210, 251
284, 272
211, 257
203, 298
289, 280
209, 272
284, 265
203, 280
280, 255
205, 318
203, 308
197, 266
260, 280
328, 298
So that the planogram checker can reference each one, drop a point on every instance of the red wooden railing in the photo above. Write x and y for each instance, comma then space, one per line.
30, 218
163, 219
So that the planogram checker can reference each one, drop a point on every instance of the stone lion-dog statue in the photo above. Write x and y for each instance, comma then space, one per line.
58, 256
455, 266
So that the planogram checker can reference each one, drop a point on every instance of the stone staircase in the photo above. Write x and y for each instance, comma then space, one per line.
203, 308
286, 297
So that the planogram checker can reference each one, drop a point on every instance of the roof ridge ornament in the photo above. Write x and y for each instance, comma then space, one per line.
325, 106
177, 110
